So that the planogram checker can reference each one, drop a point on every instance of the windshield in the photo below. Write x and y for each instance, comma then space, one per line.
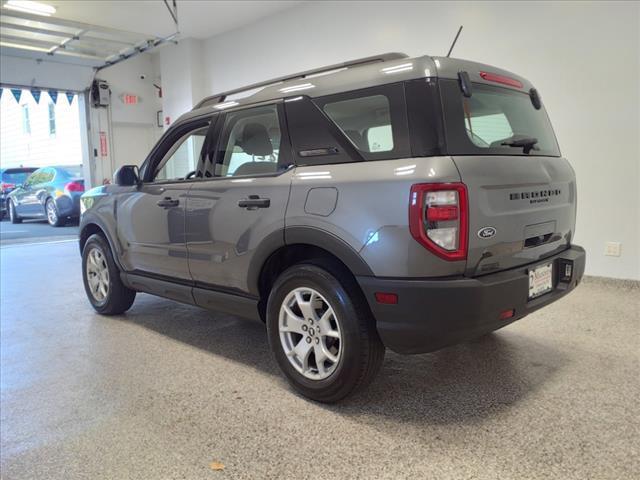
16, 177
495, 121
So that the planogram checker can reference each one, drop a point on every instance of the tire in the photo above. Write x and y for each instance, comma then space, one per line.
13, 216
51, 211
112, 297
358, 348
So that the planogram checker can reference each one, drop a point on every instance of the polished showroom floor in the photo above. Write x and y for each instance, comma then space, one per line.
167, 389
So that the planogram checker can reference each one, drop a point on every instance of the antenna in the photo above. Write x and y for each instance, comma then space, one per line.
454, 41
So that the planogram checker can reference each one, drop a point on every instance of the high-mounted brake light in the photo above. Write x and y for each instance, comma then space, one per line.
494, 77
438, 218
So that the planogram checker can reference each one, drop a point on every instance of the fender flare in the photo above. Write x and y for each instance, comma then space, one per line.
309, 236
90, 218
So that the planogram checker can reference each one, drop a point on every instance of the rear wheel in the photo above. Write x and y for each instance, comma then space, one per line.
322, 333
52, 214
102, 283
13, 216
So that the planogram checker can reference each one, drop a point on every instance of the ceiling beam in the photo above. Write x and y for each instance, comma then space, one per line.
135, 37
57, 33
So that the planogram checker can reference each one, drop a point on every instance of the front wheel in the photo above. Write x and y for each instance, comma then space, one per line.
102, 283
322, 333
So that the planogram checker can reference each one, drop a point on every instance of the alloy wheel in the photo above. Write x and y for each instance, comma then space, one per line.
98, 274
52, 215
310, 333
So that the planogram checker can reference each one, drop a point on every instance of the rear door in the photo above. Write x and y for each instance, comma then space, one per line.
522, 193
239, 200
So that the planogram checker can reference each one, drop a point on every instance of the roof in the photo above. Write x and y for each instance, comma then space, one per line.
361, 73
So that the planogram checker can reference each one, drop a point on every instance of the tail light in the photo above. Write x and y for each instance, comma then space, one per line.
74, 187
438, 218
8, 186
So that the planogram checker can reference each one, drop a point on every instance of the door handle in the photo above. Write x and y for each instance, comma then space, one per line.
168, 202
253, 202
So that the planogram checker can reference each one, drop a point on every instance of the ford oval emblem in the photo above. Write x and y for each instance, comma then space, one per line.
486, 232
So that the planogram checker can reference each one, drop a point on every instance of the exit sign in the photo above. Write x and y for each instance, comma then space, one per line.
129, 99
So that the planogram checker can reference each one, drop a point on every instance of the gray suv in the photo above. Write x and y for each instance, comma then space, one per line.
388, 202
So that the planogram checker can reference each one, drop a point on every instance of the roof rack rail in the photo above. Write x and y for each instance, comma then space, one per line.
220, 97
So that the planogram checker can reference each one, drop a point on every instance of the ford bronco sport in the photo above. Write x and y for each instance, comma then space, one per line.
406, 203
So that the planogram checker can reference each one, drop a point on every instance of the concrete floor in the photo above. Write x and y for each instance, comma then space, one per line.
31, 231
167, 389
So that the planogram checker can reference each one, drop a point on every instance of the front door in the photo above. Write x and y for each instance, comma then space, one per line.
151, 219
240, 199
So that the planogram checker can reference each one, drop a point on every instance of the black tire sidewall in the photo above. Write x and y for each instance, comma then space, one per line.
13, 215
349, 368
114, 302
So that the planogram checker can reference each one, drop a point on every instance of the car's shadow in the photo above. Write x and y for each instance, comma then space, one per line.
460, 384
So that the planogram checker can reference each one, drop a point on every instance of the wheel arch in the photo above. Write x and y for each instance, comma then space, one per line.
302, 244
92, 225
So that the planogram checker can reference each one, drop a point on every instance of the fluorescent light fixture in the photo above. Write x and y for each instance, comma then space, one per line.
28, 6
295, 88
293, 99
398, 68
22, 46
221, 106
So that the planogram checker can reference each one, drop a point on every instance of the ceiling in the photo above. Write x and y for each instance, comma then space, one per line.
90, 32
197, 18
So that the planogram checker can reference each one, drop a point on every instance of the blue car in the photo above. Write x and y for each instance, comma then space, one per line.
51, 193
9, 178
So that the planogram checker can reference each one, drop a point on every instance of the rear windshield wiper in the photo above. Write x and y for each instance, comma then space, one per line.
523, 141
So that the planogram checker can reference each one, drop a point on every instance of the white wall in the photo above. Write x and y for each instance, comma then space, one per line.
131, 130
583, 57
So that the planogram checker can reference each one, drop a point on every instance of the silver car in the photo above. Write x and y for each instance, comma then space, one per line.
388, 202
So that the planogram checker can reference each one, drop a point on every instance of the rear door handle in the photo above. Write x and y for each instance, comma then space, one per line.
253, 202
168, 202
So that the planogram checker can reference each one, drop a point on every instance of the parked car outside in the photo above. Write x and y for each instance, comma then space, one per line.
9, 178
51, 193
390, 202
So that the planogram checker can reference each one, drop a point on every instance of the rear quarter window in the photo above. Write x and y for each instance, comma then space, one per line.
374, 120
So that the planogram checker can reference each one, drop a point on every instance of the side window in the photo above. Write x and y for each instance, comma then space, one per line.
372, 120
182, 159
250, 143
365, 120
33, 178
39, 176
48, 175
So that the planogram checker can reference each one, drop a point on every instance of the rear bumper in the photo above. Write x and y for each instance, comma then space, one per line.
68, 206
431, 314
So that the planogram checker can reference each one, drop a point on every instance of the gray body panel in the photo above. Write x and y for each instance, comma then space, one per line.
222, 237
371, 211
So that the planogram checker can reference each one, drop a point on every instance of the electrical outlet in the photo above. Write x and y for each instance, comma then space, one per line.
612, 249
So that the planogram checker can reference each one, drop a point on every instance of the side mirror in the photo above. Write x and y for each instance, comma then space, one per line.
127, 176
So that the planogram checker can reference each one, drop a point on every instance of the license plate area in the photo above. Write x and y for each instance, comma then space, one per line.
540, 280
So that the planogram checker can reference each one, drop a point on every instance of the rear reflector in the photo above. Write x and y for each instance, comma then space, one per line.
494, 77
389, 298
442, 213
507, 314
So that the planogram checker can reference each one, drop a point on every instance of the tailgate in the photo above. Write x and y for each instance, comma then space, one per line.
521, 209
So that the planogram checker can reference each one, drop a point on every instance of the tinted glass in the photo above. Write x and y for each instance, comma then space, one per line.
15, 177
365, 120
39, 176
183, 159
495, 121
72, 172
250, 143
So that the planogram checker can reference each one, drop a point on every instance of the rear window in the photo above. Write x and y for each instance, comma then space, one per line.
16, 177
73, 172
495, 121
